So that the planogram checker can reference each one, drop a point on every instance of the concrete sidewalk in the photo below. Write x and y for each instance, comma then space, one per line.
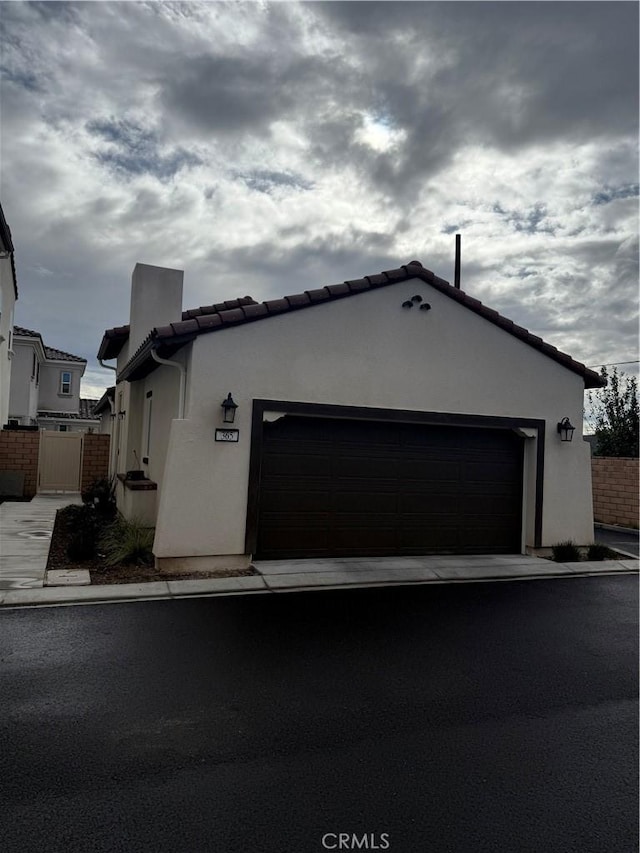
307, 575
25, 535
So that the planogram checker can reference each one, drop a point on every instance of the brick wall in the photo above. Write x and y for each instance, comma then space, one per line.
19, 452
615, 490
95, 460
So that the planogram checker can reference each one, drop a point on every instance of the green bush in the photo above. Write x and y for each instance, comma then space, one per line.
81, 524
597, 551
101, 495
128, 541
566, 552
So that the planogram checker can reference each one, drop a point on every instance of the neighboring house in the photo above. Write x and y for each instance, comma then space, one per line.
104, 410
45, 387
390, 415
8, 297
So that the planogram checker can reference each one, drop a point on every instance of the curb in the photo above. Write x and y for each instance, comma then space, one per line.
617, 528
247, 585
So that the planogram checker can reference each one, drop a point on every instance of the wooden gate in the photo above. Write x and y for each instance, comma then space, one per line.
60, 461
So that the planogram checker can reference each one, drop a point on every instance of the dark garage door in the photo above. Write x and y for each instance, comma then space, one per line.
360, 488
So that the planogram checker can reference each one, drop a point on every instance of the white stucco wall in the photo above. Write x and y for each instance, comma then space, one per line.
368, 351
23, 398
164, 385
156, 300
7, 304
49, 396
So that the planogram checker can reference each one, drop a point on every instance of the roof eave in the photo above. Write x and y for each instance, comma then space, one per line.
143, 363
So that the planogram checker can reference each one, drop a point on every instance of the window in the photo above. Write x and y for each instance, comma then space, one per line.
65, 382
63, 428
34, 361
37, 372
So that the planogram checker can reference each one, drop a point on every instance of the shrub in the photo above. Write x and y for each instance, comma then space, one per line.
598, 551
81, 524
128, 541
101, 495
566, 552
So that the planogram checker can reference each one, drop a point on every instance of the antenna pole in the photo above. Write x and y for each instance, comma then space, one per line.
456, 275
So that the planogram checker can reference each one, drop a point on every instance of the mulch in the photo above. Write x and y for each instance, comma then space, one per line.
101, 573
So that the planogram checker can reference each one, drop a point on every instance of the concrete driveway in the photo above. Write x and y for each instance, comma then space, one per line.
619, 539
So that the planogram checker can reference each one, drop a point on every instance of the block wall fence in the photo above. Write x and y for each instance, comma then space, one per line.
615, 490
19, 451
95, 458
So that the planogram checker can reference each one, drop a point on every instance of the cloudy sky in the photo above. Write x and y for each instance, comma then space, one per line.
269, 148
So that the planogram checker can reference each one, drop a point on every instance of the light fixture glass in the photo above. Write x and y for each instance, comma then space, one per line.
565, 430
229, 409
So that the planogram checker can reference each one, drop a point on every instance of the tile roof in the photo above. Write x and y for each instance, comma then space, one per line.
103, 403
50, 352
171, 337
60, 355
114, 339
84, 413
26, 333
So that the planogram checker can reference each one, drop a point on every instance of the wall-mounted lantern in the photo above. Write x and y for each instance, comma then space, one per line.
565, 430
121, 415
229, 409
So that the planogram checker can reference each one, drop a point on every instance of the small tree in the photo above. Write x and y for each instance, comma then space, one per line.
615, 415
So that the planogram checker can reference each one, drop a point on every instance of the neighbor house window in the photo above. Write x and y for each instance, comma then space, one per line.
65, 382
63, 428
37, 372
34, 362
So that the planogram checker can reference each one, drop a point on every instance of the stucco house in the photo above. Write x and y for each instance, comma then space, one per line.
8, 297
45, 387
389, 415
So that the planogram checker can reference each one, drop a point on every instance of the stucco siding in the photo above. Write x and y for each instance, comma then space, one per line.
164, 386
49, 397
7, 304
23, 398
362, 351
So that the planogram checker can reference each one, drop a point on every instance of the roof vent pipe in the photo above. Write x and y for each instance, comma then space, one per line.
456, 274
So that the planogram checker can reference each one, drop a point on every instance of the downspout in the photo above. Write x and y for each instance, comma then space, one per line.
183, 378
108, 366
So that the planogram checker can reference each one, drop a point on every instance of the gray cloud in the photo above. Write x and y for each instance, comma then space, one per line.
611, 193
265, 181
135, 150
368, 135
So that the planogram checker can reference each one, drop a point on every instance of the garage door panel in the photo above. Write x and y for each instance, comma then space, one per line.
367, 468
284, 465
430, 539
280, 501
429, 504
364, 539
366, 502
336, 488
490, 505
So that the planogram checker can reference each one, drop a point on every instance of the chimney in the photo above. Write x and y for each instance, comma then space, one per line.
156, 300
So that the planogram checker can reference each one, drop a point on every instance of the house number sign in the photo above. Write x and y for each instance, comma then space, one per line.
227, 434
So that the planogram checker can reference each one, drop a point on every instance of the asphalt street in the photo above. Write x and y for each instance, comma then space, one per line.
474, 717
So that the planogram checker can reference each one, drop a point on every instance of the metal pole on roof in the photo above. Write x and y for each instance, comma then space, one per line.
456, 275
